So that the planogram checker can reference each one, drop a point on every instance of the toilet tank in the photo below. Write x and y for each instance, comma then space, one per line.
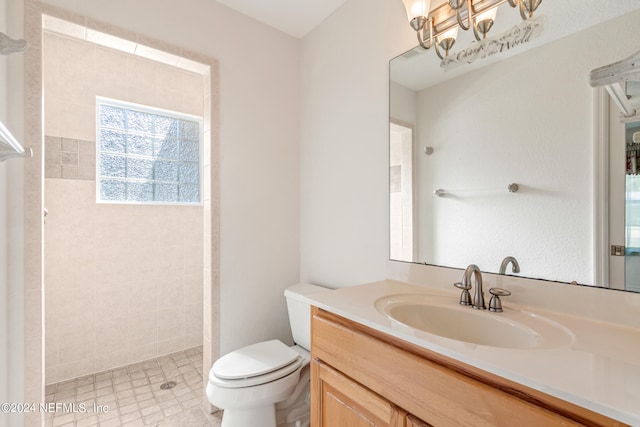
300, 312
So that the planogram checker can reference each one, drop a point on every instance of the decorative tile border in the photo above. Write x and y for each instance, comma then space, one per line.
69, 158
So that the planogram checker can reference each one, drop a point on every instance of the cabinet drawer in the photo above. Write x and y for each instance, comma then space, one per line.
432, 391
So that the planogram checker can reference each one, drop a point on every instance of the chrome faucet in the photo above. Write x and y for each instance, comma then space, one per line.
465, 285
515, 267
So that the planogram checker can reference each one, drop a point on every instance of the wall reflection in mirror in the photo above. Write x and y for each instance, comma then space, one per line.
528, 120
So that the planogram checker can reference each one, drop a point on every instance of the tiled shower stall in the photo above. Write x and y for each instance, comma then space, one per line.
123, 282
104, 311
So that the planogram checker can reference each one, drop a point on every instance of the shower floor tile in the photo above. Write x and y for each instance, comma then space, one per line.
131, 396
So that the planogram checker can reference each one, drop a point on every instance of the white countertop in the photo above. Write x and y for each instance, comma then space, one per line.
598, 369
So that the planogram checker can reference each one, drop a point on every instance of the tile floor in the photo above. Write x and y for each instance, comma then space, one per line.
131, 395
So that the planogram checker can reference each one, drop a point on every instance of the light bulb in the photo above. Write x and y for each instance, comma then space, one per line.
416, 8
487, 15
449, 34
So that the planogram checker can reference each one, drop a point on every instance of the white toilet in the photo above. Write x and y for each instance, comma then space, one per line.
267, 384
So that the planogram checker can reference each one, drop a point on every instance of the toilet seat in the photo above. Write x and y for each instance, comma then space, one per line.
255, 364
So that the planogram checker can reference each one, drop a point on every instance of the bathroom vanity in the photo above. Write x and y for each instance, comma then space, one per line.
368, 368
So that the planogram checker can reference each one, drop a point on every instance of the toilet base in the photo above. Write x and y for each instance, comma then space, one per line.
263, 416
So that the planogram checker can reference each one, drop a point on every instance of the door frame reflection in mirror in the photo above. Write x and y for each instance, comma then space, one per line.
402, 210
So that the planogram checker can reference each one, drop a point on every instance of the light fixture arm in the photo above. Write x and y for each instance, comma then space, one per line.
459, 4
435, 26
523, 12
422, 37
527, 7
438, 50
475, 31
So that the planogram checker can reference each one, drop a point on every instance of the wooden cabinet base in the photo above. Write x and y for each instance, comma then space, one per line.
362, 377
347, 403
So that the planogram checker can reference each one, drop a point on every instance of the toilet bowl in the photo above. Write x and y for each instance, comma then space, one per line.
267, 384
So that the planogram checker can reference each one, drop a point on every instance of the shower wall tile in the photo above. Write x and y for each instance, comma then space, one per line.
87, 160
191, 339
192, 288
110, 328
33, 358
123, 283
170, 294
53, 143
72, 369
33, 298
76, 68
112, 301
110, 64
53, 171
141, 77
76, 120
193, 317
70, 158
143, 327
69, 145
171, 325
166, 346
53, 157
106, 360
69, 172
142, 297
193, 86
142, 352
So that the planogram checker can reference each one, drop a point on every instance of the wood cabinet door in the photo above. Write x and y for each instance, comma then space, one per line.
338, 401
414, 422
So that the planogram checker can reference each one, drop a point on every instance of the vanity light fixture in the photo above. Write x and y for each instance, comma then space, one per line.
483, 23
438, 27
447, 39
528, 6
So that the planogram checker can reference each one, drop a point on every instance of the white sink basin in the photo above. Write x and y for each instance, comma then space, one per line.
443, 316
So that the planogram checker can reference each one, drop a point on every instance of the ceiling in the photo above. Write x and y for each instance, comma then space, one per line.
294, 17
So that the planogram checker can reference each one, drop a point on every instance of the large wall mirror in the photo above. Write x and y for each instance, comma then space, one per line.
459, 138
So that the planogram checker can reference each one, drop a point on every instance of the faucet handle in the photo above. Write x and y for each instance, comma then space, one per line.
465, 296
495, 304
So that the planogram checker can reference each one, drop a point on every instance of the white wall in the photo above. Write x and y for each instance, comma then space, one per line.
344, 142
259, 199
4, 246
344, 137
519, 120
12, 374
403, 104
465, 120
489, 132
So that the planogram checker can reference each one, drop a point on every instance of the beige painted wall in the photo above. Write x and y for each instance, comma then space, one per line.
17, 382
259, 154
123, 283
344, 142
548, 226
4, 244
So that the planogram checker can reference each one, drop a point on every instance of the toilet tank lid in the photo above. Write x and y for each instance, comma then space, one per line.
303, 289
253, 360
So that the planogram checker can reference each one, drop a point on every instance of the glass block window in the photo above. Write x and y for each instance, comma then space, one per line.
147, 155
